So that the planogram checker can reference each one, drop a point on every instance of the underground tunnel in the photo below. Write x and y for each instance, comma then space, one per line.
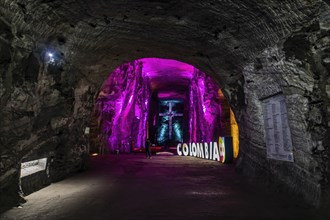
85, 77
165, 101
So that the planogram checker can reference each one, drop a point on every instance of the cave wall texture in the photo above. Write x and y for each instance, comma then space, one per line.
252, 49
124, 97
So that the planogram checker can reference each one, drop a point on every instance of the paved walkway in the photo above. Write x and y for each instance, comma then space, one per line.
164, 187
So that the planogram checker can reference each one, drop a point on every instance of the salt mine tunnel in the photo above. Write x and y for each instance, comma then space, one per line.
84, 84
164, 100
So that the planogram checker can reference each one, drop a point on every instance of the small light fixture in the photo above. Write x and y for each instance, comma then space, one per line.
95, 154
51, 59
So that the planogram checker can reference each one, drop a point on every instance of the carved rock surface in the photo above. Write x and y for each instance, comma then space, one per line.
55, 55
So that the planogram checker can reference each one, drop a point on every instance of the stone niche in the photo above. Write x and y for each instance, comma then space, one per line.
34, 175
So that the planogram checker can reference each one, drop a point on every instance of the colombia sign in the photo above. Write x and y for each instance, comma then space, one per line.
219, 151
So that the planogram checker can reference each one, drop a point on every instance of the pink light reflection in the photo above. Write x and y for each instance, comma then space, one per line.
126, 97
157, 67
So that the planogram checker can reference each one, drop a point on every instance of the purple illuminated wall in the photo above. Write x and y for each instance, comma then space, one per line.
121, 110
205, 108
122, 107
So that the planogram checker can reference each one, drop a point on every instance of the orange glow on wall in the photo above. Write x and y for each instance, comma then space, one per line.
233, 126
234, 133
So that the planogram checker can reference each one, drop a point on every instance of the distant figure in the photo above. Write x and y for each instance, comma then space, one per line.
148, 153
132, 145
102, 143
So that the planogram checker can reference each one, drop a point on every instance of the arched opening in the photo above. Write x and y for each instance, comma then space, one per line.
163, 100
249, 48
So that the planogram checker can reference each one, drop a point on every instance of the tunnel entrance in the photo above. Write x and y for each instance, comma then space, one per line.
166, 101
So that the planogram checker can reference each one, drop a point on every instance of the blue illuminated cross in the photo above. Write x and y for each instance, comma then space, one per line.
170, 115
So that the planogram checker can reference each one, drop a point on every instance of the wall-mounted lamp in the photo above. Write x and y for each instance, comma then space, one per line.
50, 57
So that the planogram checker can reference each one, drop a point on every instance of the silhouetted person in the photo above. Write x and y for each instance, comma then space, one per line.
148, 152
102, 144
131, 145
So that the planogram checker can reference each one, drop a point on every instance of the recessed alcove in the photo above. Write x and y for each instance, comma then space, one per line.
34, 175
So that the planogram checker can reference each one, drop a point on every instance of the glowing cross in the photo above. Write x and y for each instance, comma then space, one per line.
170, 115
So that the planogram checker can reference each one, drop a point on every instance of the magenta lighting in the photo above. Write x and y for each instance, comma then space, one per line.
128, 107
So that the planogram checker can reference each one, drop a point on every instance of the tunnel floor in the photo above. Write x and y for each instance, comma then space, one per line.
164, 187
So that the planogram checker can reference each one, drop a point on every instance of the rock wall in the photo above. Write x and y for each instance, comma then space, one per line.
209, 114
43, 112
34, 182
250, 48
121, 110
298, 67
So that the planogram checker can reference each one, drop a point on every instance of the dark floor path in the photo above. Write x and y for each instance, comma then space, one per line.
164, 187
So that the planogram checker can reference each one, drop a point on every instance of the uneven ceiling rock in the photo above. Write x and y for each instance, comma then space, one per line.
56, 54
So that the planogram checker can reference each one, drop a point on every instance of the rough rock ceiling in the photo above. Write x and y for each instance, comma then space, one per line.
252, 49
168, 75
225, 35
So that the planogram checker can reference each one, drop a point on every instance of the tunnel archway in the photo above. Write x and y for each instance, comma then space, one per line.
248, 47
166, 101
